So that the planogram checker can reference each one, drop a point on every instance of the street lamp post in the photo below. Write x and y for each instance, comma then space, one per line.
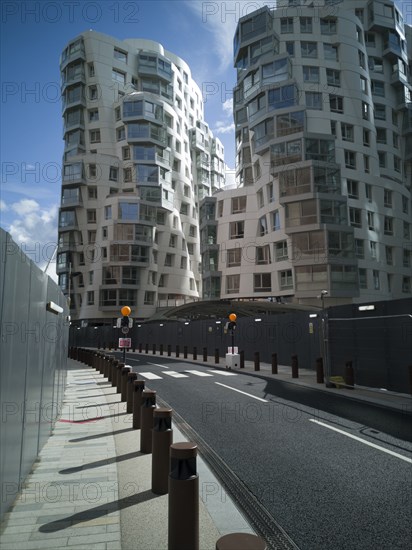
322, 336
125, 311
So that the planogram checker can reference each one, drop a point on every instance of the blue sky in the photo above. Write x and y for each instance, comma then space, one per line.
33, 34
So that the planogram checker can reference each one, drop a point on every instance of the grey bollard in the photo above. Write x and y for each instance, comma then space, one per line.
138, 387
217, 356
146, 420
162, 438
257, 360
242, 359
295, 366
183, 498
274, 363
118, 377
131, 377
320, 377
123, 383
241, 541
205, 355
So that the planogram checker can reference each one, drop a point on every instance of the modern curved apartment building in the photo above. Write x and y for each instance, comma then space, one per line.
323, 116
138, 158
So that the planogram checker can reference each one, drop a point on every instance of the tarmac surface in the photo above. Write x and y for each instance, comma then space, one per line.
90, 487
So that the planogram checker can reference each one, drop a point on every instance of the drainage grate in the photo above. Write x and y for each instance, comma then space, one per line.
256, 514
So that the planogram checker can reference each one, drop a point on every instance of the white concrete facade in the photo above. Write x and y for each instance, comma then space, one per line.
138, 158
323, 115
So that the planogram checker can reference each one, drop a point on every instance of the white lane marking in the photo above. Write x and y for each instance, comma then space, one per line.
198, 373
223, 373
150, 375
175, 374
406, 459
244, 393
157, 365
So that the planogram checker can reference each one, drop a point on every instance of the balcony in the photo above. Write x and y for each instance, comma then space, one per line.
72, 53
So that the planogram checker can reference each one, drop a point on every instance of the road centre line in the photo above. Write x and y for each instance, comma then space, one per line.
157, 365
397, 455
244, 393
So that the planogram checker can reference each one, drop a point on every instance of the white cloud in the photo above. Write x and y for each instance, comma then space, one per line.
224, 127
3, 206
35, 231
228, 106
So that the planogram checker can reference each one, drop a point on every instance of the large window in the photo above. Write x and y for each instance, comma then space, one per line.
237, 230
279, 98
290, 123
232, 284
262, 282
313, 100
276, 71
320, 149
309, 49
263, 254
234, 257
128, 211
238, 204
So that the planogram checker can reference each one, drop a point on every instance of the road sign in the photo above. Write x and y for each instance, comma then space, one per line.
119, 322
125, 342
125, 330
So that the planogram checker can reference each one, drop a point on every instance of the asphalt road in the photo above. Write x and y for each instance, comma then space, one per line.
329, 480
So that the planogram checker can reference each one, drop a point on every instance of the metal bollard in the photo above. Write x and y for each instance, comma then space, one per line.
217, 356
169, 350
183, 498
205, 355
185, 352
123, 382
349, 375
295, 366
161, 349
320, 377
242, 359
239, 541
194, 353
154, 349
162, 439
274, 363
138, 387
177, 351
131, 377
140, 348
146, 420
257, 360
119, 377
146, 348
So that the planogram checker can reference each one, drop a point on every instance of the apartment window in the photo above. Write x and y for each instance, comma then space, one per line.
309, 49
281, 251
395, 140
333, 128
359, 248
169, 260
107, 212
93, 93
121, 56
92, 171
370, 39
91, 69
406, 284
90, 297
91, 216
286, 25
368, 192
405, 204
350, 159
406, 258
388, 225
306, 24
232, 284
380, 111
376, 280
328, 26
104, 233
120, 133
336, 103
365, 111
275, 220
127, 175
220, 209
310, 74
238, 204
92, 192
330, 52
262, 226
237, 230
355, 217
290, 49
353, 189
262, 282
378, 88
149, 298
119, 76
259, 197
333, 77
126, 153
371, 220
389, 255
117, 114
313, 100
387, 198
362, 62
263, 254
113, 173
94, 136
364, 85
347, 131
286, 279
406, 230
366, 163
192, 231
397, 165
270, 192
93, 115
380, 135
363, 280
359, 13
234, 257
366, 138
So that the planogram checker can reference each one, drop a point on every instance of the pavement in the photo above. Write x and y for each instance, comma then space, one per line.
90, 487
